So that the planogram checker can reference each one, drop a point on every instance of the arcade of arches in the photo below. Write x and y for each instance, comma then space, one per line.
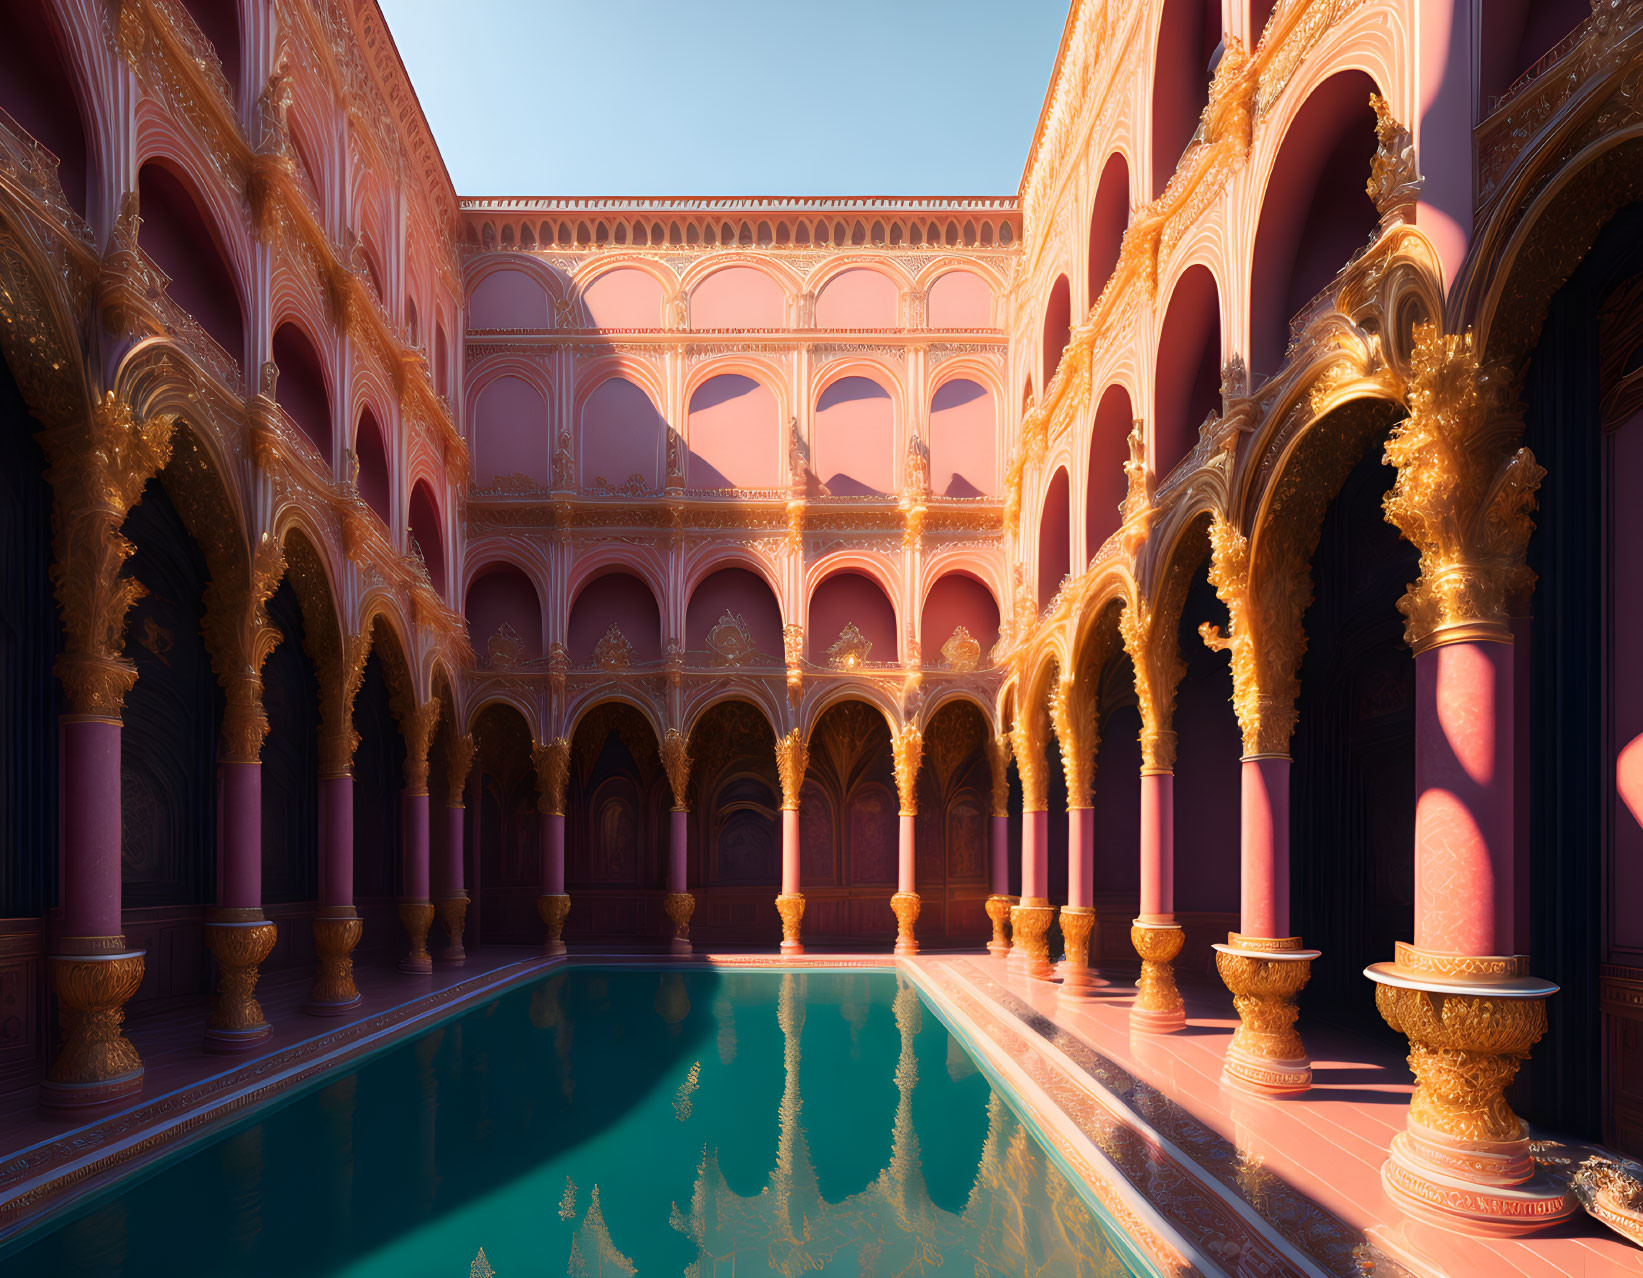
1210, 563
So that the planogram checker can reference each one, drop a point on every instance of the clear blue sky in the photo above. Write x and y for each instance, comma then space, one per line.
729, 97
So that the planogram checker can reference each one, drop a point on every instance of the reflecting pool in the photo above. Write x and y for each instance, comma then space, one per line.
621, 1121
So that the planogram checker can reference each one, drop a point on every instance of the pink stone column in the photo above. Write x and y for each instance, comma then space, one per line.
678, 904
1000, 858
1080, 857
239, 848
236, 932
906, 903
553, 854
90, 772
1035, 855
1464, 874
791, 899
450, 892
336, 842
93, 974
1154, 933
1157, 847
1031, 919
1461, 990
416, 909
337, 925
1264, 847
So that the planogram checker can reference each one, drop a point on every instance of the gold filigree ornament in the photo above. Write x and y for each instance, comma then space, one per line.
1464, 1157
962, 651
1464, 493
1611, 1190
452, 912
336, 932
676, 761
998, 910
679, 906
552, 764
849, 651
1158, 1008
95, 1061
553, 910
613, 651
1265, 975
1030, 924
504, 648
731, 642
417, 918
792, 760
239, 946
1078, 979
905, 906
790, 906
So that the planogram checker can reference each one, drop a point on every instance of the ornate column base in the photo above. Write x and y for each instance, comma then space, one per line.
1157, 1008
239, 945
998, 910
1030, 923
452, 912
1463, 1158
790, 905
906, 906
553, 911
337, 930
1078, 979
679, 906
417, 918
95, 1062
1265, 974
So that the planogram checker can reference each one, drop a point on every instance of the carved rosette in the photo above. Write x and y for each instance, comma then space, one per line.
236, 1018
1463, 495
552, 764
998, 910
1464, 1155
679, 906
335, 936
97, 469
417, 918
906, 908
95, 1061
790, 905
553, 911
1265, 975
1030, 923
1078, 980
792, 759
1157, 1008
676, 761
452, 912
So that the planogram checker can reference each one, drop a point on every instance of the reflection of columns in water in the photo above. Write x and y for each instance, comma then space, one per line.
724, 1013
672, 999
906, 1182
339, 1102
790, 1016
547, 1011
240, 1158
427, 1113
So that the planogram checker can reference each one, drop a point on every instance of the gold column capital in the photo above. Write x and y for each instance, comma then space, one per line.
1464, 493
676, 760
552, 764
907, 749
792, 760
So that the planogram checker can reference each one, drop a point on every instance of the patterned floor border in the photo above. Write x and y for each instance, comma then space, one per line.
1227, 1212
48, 1178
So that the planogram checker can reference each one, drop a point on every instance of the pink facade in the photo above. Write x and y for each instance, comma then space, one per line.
858, 550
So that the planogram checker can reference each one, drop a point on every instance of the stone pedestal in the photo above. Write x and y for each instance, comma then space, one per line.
337, 930
790, 905
553, 910
95, 1062
1078, 979
998, 910
239, 946
906, 906
1463, 1157
1265, 974
417, 918
452, 912
1030, 922
679, 906
1157, 1008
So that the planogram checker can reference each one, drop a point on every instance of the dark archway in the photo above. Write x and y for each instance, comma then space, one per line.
181, 239
301, 388
428, 533
1109, 217
1189, 40
735, 826
1188, 367
1054, 538
371, 455
1057, 326
616, 826
37, 91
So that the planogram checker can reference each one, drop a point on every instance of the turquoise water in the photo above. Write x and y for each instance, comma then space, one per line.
612, 1122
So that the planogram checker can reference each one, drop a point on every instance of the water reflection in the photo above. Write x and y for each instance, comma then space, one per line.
621, 1122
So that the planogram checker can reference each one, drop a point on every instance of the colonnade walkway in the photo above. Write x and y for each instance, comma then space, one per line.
1207, 1177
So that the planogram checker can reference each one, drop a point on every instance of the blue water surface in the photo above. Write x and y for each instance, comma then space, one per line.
621, 1121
